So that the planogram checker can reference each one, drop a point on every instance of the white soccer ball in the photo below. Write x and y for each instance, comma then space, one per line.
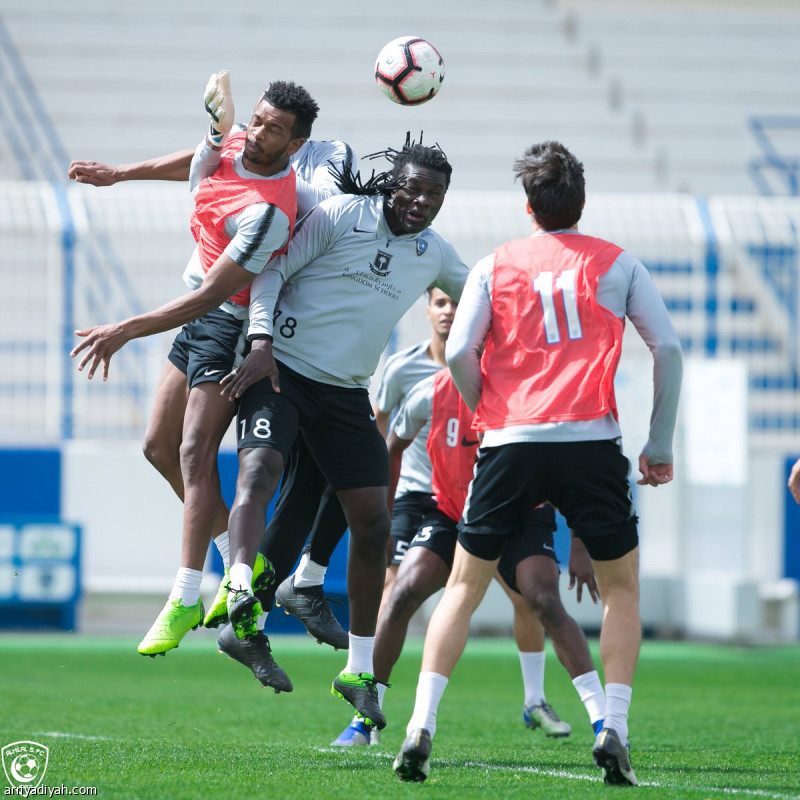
409, 70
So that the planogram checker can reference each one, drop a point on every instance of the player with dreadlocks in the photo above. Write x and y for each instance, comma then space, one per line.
356, 264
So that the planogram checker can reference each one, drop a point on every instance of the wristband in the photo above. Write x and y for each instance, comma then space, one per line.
215, 137
254, 336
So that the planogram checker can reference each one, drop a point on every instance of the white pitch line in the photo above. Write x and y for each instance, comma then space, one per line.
85, 737
553, 773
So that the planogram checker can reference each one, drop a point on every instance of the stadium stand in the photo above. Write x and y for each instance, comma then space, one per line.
683, 113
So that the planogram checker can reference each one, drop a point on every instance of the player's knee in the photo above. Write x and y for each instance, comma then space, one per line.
404, 601
165, 457
197, 464
547, 605
259, 472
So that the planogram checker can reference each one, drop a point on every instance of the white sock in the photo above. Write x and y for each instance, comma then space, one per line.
309, 573
430, 689
381, 687
590, 690
262, 621
359, 656
242, 577
224, 546
187, 586
532, 677
618, 702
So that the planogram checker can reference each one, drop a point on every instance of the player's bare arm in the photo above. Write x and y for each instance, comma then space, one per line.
794, 481
169, 167
223, 280
396, 446
581, 571
259, 364
382, 421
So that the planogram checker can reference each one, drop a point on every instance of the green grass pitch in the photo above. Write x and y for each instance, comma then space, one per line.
707, 722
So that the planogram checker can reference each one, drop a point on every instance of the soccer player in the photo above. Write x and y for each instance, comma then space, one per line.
302, 594
245, 206
434, 417
314, 182
352, 270
550, 309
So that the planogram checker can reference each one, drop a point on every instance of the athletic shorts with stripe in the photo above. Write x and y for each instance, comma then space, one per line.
208, 348
439, 533
586, 481
408, 511
337, 424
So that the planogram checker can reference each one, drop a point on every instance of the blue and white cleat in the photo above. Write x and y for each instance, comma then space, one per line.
357, 733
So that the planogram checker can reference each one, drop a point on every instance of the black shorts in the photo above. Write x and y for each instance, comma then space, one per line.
408, 512
586, 481
437, 533
535, 539
337, 424
208, 348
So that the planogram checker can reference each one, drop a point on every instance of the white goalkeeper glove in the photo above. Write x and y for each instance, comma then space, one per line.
218, 101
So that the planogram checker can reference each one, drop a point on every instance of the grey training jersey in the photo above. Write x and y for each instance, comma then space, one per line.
401, 375
348, 281
626, 289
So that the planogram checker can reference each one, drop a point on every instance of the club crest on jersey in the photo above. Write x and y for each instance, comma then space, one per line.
380, 264
422, 246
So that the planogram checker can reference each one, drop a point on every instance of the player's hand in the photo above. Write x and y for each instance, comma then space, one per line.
653, 474
95, 173
218, 101
581, 571
794, 481
258, 364
100, 343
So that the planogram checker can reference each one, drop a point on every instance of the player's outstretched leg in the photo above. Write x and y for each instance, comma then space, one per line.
263, 578
413, 762
612, 757
255, 653
311, 607
171, 625
361, 692
543, 716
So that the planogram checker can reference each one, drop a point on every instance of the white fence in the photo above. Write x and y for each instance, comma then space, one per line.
75, 257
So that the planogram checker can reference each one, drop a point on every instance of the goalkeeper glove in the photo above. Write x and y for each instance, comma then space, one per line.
218, 101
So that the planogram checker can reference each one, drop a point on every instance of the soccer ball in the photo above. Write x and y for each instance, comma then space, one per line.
25, 768
409, 70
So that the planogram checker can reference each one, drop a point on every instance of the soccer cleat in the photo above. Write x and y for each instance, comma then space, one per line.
374, 736
218, 613
263, 574
255, 653
612, 757
171, 625
360, 691
543, 716
413, 762
263, 578
243, 612
356, 733
311, 607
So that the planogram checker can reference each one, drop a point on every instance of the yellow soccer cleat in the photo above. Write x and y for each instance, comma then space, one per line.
171, 625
